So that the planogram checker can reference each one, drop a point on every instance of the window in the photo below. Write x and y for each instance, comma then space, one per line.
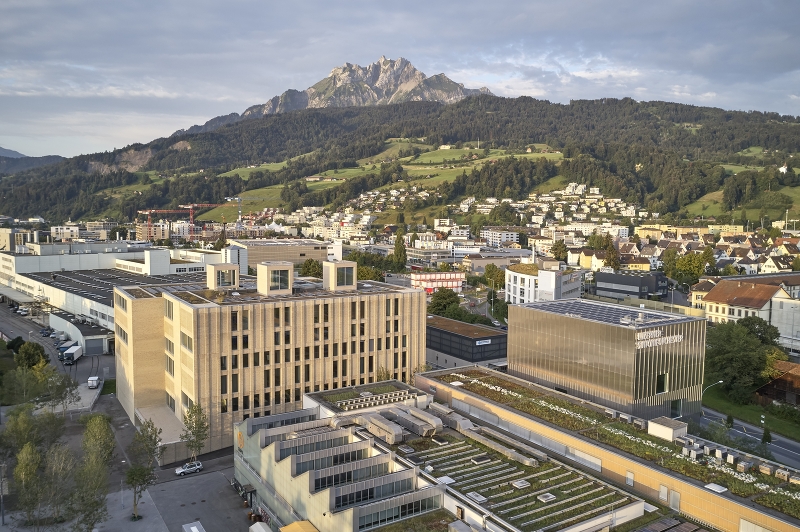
325, 352
255, 360
361, 346
335, 369
316, 351
363, 309
663, 492
277, 378
170, 365
234, 321
277, 398
344, 368
404, 341
246, 402
235, 404
223, 363
276, 317
362, 328
344, 348
234, 343
266, 380
266, 400
352, 329
170, 402
629, 478
297, 394
168, 310
316, 313
361, 366
279, 280
245, 342
121, 302
371, 365
388, 307
185, 401
245, 320
297, 354
235, 383
307, 353
170, 347
287, 396
234, 361
287, 316
662, 383
396, 326
396, 306
344, 276
287, 355
297, 374
403, 363
325, 315
316, 334
223, 405
186, 341
396, 361
352, 310
336, 350
266, 357
122, 335
287, 337
353, 347
245, 360
256, 401
277, 338
226, 278
371, 345
307, 373
379, 343
325, 333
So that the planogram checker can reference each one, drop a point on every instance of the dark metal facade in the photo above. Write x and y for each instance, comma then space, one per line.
471, 350
646, 371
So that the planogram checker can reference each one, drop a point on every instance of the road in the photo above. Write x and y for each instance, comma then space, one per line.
13, 325
783, 449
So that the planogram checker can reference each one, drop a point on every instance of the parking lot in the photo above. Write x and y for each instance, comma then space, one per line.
206, 497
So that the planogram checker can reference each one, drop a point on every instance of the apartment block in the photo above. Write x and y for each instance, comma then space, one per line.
247, 347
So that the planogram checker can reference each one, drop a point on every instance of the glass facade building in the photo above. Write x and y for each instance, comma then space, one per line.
640, 362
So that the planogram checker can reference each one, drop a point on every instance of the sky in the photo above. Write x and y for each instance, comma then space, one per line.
82, 76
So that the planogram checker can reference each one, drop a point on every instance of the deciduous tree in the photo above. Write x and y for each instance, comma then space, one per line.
311, 268
143, 452
195, 432
559, 250
30, 353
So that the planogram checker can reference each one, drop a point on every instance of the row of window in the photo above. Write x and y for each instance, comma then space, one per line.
330, 461
348, 477
400, 512
306, 352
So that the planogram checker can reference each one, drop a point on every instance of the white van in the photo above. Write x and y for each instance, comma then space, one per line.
94, 382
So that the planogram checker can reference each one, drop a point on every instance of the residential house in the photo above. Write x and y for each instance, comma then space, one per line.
777, 264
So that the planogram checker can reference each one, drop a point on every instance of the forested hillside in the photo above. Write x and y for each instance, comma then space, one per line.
663, 155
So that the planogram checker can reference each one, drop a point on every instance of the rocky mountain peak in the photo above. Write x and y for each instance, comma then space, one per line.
385, 81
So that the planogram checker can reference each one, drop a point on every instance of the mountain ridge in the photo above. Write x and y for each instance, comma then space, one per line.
386, 81
11, 154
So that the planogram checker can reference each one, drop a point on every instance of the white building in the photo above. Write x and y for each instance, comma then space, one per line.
433, 281
525, 284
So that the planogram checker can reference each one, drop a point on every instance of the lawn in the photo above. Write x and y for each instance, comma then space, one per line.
127, 190
752, 151
715, 399
440, 156
712, 202
109, 387
555, 183
736, 168
392, 149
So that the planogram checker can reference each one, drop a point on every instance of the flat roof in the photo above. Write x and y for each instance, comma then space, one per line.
331, 397
197, 293
463, 329
609, 313
98, 285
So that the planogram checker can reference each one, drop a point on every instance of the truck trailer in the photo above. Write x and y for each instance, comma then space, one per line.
72, 354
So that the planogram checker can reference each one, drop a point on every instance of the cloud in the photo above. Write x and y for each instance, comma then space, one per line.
116, 63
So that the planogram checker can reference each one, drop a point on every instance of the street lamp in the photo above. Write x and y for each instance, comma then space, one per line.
704, 391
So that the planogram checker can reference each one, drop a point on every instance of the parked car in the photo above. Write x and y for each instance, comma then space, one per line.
190, 467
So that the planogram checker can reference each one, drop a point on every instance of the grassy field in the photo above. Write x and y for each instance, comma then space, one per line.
736, 168
256, 200
555, 183
439, 156
109, 387
752, 151
716, 400
392, 149
713, 204
127, 190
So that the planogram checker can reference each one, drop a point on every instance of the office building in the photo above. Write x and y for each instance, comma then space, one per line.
244, 347
637, 361
619, 285
430, 282
526, 283
451, 343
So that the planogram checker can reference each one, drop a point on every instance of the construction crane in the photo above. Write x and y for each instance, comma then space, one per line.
192, 207
150, 212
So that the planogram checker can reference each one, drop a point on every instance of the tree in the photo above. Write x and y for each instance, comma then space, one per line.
767, 436
29, 354
728, 270
61, 391
29, 484
20, 385
767, 334
21, 428
88, 503
595, 241
401, 219
15, 344
495, 277
441, 299
413, 238
98, 439
422, 368
143, 452
729, 421
445, 267
559, 250
735, 356
399, 255
612, 258
118, 233
311, 268
195, 432
368, 273
383, 374
58, 473
796, 264
670, 259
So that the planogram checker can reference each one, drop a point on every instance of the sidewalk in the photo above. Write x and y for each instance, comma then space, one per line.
119, 518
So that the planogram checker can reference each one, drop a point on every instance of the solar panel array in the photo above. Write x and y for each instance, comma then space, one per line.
608, 313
